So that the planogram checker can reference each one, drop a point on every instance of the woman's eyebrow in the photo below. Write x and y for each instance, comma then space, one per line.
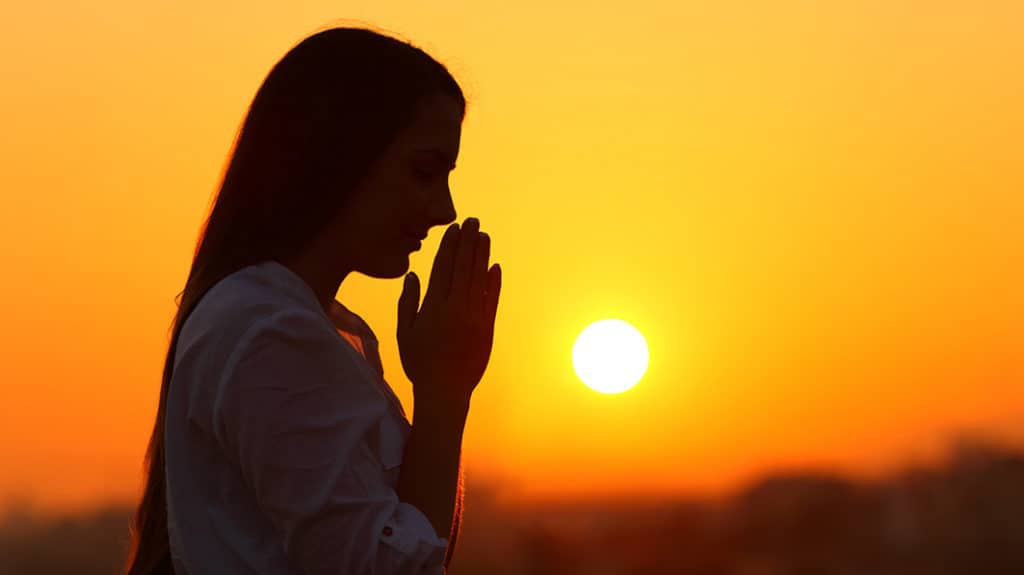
440, 156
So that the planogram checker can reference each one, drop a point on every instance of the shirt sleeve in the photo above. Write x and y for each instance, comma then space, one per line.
306, 428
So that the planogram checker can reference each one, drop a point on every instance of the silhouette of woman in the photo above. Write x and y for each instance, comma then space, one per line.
278, 446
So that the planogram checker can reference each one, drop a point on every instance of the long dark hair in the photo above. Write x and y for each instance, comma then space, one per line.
323, 114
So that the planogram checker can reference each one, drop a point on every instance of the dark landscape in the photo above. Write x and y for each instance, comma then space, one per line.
965, 516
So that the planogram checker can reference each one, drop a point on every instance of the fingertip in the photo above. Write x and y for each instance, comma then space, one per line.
412, 283
451, 234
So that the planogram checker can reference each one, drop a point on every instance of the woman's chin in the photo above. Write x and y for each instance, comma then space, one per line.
391, 268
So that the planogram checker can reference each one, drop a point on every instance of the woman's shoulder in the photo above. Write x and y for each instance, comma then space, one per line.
264, 287
251, 303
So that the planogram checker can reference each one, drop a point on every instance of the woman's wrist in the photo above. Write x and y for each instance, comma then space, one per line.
445, 408
430, 467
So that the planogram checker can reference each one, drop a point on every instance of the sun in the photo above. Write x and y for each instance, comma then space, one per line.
610, 356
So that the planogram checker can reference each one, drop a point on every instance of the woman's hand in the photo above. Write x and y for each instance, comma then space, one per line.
445, 345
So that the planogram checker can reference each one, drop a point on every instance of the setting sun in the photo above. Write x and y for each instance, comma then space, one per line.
610, 356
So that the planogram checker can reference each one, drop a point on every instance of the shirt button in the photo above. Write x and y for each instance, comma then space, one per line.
387, 531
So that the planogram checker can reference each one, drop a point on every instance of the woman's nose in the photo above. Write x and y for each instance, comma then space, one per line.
443, 213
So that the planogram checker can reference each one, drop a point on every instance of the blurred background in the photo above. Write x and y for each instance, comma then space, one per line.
810, 210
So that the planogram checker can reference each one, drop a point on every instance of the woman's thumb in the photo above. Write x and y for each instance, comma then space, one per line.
409, 301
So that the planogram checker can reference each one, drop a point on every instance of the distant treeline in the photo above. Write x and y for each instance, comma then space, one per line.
963, 517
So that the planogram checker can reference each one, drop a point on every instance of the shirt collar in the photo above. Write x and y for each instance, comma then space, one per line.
338, 314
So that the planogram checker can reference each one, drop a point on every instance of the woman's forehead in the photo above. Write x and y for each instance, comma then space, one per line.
434, 131
440, 143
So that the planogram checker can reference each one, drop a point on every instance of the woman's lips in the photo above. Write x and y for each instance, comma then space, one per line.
415, 239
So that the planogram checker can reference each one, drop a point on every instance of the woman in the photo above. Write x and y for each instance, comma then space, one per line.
278, 445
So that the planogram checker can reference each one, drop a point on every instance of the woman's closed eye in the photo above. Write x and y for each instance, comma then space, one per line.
427, 175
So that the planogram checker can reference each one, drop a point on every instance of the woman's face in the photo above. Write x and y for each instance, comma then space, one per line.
405, 193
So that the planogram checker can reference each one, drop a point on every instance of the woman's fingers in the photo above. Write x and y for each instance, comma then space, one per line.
460, 270
408, 303
441, 273
462, 275
478, 282
492, 293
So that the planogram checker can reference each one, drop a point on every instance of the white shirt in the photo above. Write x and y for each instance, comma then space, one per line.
284, 441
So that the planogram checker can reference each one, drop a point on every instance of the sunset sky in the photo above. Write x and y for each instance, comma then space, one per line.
811, 210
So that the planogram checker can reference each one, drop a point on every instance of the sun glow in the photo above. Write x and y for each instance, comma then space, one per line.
610, 356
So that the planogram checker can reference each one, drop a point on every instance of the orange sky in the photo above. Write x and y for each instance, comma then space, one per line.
811, 210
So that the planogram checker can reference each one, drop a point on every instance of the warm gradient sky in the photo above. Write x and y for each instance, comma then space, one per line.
812, 210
